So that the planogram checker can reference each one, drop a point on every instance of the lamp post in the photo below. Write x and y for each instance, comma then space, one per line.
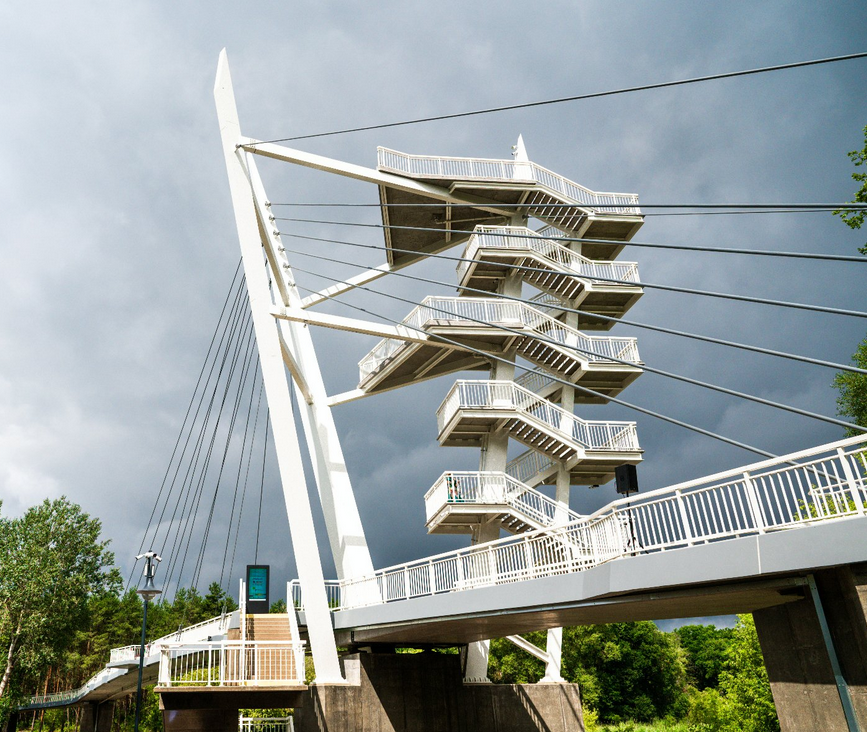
148, 593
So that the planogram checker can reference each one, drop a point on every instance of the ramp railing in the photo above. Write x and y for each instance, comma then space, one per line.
824, 483
232, 663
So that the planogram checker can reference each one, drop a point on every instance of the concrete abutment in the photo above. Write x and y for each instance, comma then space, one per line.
425, 693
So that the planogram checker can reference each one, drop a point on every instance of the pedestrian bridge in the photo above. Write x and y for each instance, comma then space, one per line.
737, 541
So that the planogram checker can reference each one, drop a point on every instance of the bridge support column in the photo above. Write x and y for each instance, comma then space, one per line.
806, 693
407, 692
97, 717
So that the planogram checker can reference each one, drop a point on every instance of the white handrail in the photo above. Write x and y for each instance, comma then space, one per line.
824, 483
332, 594
495, 488
476, 311
266, 724
555, 255
232, 663
529, 464
507, 395
429, 166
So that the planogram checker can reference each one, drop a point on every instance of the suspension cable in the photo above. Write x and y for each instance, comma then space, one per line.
570, 239
649, 369
565, 308
262, 484
575, 98
583, 389
246, 479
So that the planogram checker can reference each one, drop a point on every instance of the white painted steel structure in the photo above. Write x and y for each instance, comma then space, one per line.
474, 189
777, 497
266, 724
501, 171
823, 484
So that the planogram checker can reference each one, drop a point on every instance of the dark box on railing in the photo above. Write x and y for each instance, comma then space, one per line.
626, 479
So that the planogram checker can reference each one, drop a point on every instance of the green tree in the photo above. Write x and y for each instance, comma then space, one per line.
748, 703
852, 401
51, 562
855, 219
706, 647
627, 670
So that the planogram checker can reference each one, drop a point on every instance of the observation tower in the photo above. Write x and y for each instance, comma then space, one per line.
560, 239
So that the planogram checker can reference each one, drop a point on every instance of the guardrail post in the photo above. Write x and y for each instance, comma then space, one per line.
163, 675
210, 663
528, 552
753, 503
223, 659
431, 578
492, 564
850, 481
684, 517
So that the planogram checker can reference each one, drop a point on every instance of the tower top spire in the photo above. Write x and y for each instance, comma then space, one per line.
520, 152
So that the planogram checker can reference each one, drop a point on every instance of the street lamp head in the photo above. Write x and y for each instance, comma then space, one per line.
149, 591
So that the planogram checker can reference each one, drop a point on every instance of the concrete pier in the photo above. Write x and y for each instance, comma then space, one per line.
799, 666
425, 693
97, 717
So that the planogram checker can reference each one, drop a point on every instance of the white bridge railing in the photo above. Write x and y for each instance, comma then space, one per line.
232, 663
479, 311
428, 166
266, 724
529, 465
494, 488
507, 395
555, 255
215, 626
333, 594
825, 483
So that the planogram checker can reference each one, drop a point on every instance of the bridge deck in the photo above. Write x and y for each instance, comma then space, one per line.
731, 576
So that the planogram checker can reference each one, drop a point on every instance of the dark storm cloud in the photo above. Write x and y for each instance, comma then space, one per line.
118, 242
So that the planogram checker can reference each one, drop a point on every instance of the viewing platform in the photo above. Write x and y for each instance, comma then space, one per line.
460, 501
480, 323
473, 409
570, 207
556, 269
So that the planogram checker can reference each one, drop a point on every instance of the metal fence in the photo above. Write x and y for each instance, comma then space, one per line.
232, 663
555, 255
507, 395
825, 483
266, 724
478, 311
428, 166
489, 488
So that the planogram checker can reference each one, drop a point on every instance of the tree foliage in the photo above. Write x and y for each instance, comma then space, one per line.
705, 647
852, 401
625, 670
855, 219
742, 702
52, 562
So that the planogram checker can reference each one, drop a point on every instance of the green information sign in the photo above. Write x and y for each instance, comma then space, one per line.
258, 576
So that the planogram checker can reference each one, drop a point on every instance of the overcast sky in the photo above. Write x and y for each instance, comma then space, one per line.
117, 239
